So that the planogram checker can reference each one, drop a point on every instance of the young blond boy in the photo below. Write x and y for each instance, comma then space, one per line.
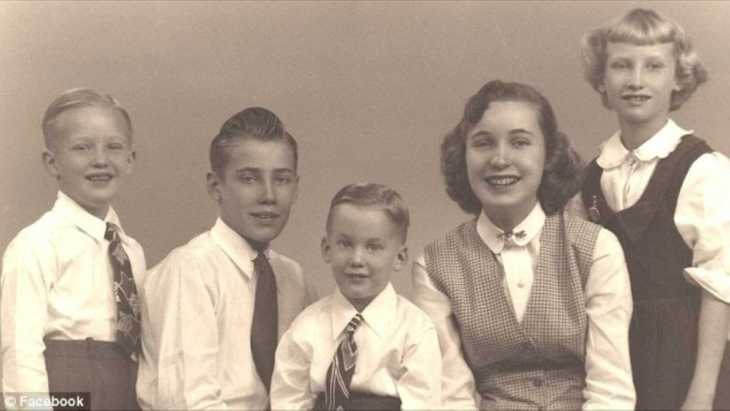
70, 312
364, 346
216, 306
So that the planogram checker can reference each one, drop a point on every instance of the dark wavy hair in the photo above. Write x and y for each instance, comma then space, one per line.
255, 123
561, 177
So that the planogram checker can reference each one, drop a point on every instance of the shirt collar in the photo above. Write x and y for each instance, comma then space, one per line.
378, 315
490, 233
660, 145
85, 221
235, 247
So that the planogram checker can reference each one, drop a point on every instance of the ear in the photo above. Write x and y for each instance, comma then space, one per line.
213, 184
131, 160
49, 162
325, 247
401, 258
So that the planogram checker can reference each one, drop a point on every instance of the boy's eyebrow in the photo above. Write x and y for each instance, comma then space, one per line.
284, 170
248, 170
375, 240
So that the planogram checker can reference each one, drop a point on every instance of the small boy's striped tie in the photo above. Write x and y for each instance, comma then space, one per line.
340, 372
125, 293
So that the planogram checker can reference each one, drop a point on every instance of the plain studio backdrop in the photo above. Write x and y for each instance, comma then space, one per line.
367, 88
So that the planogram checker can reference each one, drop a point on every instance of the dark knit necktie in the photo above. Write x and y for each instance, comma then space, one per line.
265, 325
340, 372
125, 293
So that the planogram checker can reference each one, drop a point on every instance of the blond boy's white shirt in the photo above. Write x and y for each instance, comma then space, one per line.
57, 284
398, 353
196, 323
609, 380
702, 216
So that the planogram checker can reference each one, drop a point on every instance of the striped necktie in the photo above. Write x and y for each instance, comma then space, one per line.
340, 372
125, 293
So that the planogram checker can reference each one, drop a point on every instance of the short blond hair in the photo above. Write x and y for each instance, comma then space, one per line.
643, 27
76, 98
374, 195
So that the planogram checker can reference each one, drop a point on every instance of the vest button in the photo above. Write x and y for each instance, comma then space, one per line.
537, 382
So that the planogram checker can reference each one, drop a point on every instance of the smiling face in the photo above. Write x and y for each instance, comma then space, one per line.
90, 152
257, 189
505, 158
364, 247
639, 81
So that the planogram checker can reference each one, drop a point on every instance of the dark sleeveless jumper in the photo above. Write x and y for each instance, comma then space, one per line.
663, 333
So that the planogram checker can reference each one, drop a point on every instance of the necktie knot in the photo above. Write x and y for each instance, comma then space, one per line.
354, 323
112, 232
261, 257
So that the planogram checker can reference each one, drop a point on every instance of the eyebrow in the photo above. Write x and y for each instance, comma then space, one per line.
260, 170
480, 133
520, 131
511, 131
248, 170
619, 56
284, 170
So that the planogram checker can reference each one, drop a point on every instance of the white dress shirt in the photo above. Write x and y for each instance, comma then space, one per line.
702, 216
57, 284
196, 323
398, 353
609, 381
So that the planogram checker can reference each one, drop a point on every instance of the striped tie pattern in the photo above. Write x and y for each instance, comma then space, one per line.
125, 293
340, 372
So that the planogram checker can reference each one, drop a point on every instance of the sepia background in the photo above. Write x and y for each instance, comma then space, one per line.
367, 88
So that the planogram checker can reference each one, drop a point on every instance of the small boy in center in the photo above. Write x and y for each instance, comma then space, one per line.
364, 346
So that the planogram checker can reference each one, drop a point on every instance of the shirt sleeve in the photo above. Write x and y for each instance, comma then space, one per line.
609, 381
26, 273
419, 387
702, 218
290, 383
457, 382
181, 309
